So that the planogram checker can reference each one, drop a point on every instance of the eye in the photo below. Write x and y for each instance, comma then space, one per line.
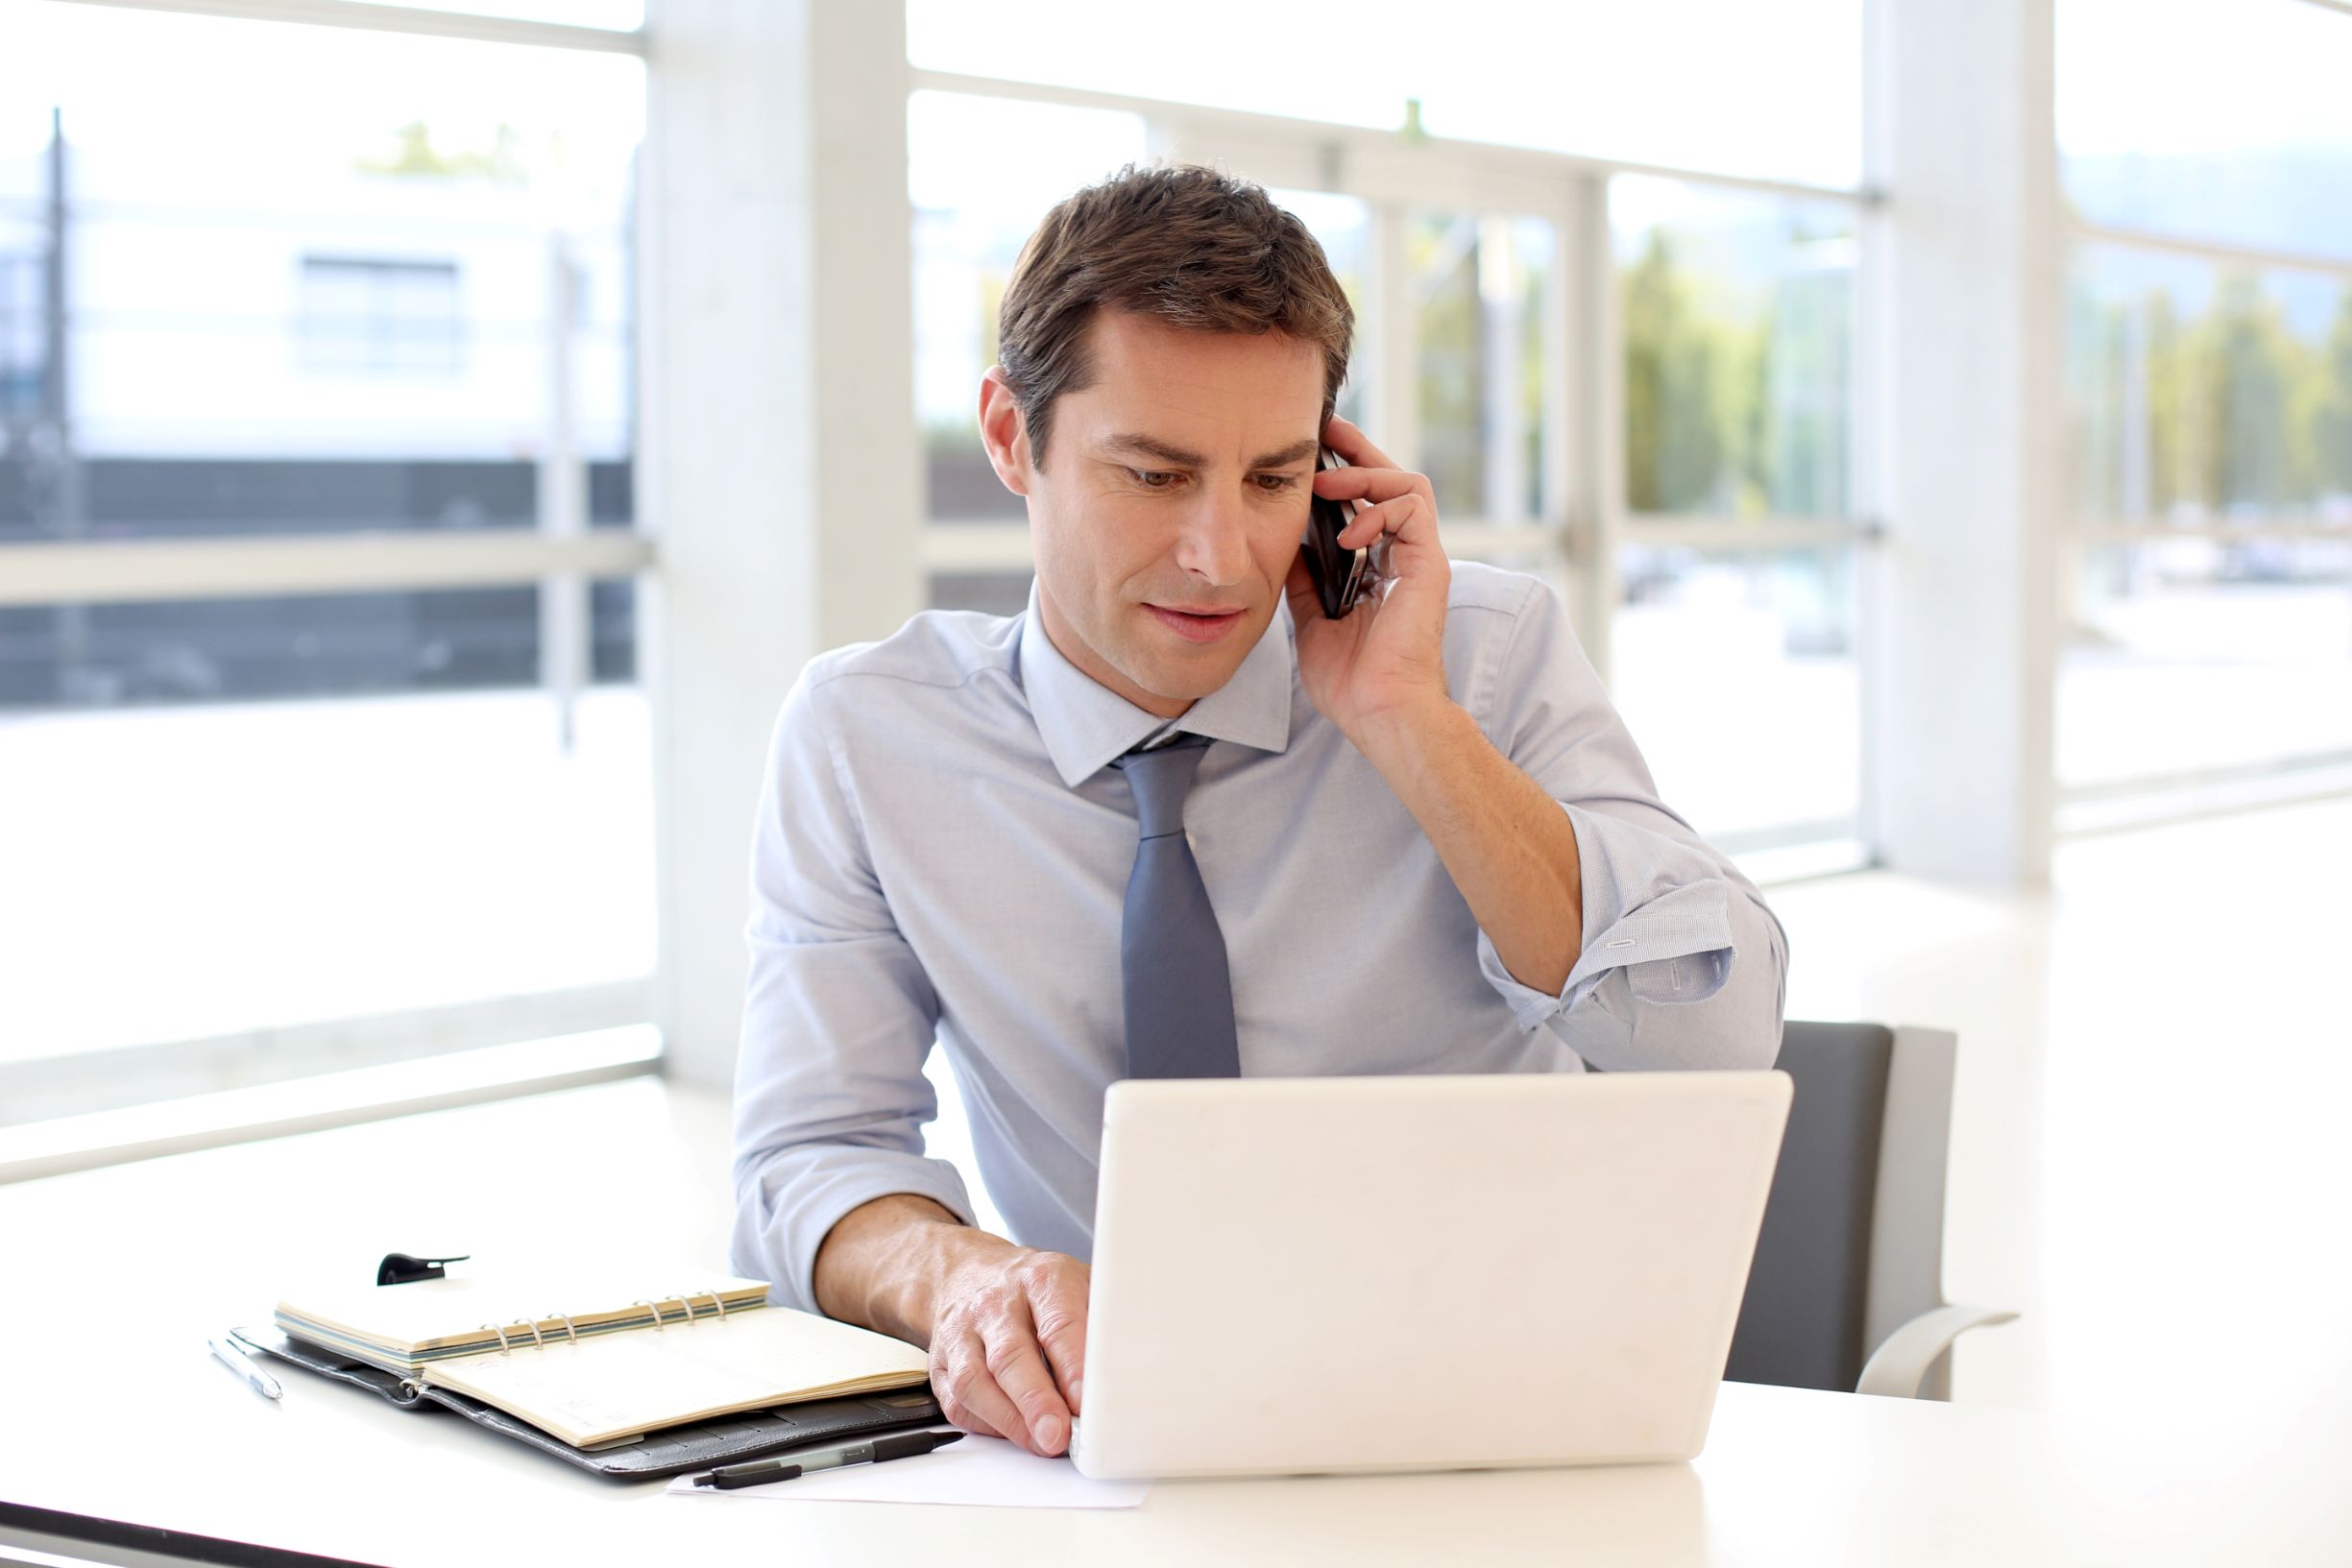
1274, 483
1150, 478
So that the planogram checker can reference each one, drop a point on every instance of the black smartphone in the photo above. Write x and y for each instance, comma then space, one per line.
1337, 574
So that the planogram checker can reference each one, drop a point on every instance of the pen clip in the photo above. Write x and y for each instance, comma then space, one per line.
400, 1268
734, 1478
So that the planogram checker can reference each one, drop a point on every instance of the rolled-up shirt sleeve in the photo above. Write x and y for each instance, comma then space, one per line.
839, 1018
1681, 963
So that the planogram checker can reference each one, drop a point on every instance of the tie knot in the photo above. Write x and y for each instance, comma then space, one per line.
1160, 778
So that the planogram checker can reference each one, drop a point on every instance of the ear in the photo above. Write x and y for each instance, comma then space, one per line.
1004, 432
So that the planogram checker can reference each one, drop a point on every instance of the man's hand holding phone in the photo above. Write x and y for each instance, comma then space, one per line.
1385, 660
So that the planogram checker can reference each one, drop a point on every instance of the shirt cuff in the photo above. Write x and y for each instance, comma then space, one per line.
800, 1215
1654, 908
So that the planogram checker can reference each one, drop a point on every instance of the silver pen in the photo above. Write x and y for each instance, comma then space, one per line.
242, 1365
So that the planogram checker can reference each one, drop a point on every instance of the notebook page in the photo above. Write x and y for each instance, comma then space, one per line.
598, 1389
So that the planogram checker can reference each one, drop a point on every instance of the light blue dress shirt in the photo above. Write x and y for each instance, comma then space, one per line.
942, 852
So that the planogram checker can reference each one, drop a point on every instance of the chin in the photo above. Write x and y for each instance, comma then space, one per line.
1175, 686
1175, 681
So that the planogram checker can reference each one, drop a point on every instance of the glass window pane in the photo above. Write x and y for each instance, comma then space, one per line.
1766, 90
972, 215
1480, 284
1737, 322
1736, 673
2208, 393
282, 862
24, 328
1343, 225
24, 245
2195, 655
260, 307
991, 592
2212, 119
376, 317
973, 211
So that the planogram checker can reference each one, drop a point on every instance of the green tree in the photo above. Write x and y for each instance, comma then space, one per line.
2251, 367
2180, 470
1675, 439
2098, 336
1443, 254
415, 155
2240, 409
1798, 393
2331, 418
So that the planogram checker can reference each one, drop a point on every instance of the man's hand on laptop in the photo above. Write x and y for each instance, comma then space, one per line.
1006, 1324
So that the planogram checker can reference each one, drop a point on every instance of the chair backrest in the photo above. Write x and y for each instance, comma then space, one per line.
1805, 1321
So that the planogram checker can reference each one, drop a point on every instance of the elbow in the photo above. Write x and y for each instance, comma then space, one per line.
1766, 1009
1733, 1024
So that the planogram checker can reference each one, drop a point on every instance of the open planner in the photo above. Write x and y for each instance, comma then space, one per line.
611, 1366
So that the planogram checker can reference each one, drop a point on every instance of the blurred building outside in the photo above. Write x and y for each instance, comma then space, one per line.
287, 352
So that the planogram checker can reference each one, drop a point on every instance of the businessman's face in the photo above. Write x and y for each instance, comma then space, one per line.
1169, 505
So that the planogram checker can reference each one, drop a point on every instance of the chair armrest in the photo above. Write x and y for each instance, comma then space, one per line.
1897, 1368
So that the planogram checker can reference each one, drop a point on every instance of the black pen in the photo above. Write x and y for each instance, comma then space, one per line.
881, 1451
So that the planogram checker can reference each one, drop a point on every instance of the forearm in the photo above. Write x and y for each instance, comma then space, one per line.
881, 1264
1505, 843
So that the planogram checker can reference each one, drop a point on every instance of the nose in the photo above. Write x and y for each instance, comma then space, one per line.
1214, 546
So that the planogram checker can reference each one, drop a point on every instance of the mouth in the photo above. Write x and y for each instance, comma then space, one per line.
1200, 625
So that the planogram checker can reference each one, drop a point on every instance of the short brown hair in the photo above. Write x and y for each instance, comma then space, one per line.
1185, 245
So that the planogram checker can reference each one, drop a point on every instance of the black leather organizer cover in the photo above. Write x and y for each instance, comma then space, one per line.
746, 1434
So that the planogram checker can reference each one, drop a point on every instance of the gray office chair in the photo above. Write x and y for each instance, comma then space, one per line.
1847, 1291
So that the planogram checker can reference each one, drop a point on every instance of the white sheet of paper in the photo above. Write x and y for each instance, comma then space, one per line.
978, 1471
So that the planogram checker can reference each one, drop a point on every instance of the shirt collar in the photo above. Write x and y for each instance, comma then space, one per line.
1085, 724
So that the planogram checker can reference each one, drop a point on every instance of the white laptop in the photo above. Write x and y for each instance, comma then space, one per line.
1416, 1273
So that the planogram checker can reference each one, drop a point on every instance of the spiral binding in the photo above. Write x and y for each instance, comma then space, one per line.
572, 1330
719, 1305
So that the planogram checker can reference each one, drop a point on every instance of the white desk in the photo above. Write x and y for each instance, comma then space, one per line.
145, 1259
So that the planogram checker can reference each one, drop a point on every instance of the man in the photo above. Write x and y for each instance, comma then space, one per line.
1425, 840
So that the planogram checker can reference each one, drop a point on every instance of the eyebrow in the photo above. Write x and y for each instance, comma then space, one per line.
1136, 441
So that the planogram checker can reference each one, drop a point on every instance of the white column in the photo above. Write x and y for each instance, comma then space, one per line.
1503, 361
1394, 337
1596, 523
779, 463
565, 629
1964, 138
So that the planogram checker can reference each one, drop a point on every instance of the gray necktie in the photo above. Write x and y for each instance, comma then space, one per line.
1172, 956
